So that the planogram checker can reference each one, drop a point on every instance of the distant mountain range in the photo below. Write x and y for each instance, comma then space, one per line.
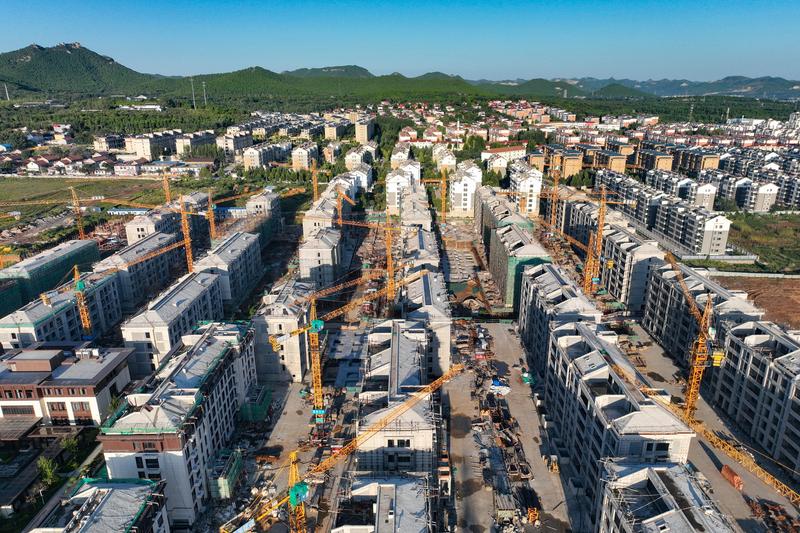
72, 70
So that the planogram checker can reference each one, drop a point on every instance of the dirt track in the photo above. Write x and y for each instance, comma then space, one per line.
779, 297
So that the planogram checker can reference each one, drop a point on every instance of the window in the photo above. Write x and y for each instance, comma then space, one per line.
20, 410
139, 463
152, 463
80, 406
149, 445
141, 474
58, 406
390, 443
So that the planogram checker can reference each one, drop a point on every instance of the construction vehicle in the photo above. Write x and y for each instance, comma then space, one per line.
258, 510
316, 325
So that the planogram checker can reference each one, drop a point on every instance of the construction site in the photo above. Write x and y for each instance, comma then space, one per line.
533, 366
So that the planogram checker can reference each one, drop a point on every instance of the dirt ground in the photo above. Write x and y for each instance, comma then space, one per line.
780, 298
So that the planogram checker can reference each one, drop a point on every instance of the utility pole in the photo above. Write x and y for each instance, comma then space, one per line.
7, 97
205, 99
691, 112
194, 104
727, 114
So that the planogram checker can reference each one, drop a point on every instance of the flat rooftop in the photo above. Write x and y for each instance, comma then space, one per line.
175, 300
28, 266
136, 251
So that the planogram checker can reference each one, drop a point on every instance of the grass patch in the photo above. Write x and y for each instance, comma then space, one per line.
774, 238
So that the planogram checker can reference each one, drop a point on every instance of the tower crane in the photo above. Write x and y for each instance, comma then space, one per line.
297, 492
78, 215
167, 192
211, 216
593, 257
315, 326
698, 356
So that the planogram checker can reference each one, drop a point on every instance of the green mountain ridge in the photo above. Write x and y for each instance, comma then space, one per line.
73, 71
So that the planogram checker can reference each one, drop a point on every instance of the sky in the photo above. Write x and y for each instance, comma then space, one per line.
697, 40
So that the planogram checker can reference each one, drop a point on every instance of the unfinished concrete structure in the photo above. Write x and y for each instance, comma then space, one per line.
155, 331
426, 301
548, 299
657, 497
593, 413
395, 369
284, 308
391, 504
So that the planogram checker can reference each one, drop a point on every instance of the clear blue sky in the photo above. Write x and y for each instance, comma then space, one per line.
495, 39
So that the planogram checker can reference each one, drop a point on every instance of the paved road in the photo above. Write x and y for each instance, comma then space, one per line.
547, 485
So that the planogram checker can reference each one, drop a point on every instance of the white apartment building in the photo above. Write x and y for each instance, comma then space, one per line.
400, 154
627, 264
444, 158
186, 143
320, 256
234, 143
595, 414
154, 145
356, 156
260, 155
284, 308
526, 184
549, 299
397, 181
54, 317
426, 302
365, 130
304, 155
155, 331
63, 386
173, 429
237, 262
140, 274
461, 188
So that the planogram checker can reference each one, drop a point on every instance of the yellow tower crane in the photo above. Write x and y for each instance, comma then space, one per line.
187, 238
317, 323
212, 219
167, 192
76, 202
298, 491
442, 183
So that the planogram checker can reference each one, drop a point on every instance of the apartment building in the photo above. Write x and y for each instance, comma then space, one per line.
444, 158
420, 249
107, 143
396, 369
653, 160
174, 428
335, 130
400, 154
237, 262
594, 414
261, 155
677, 224
356, 156
549, 299
188, 142
43, 271
284, 308
749, 194
526, 183
365, 130
414, 210
168, 221
493, 211
692, 161
397, 181
510, 250
620, 147
331, 152
697, 194
666, 314
609, 160
157, 329
151, 146
141, 271
97, 506
234, 143
320, 256
461, 188
756, 386
562, 161
510, 152
626, 266
304, 155
62, 383
54, 317
657, 497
